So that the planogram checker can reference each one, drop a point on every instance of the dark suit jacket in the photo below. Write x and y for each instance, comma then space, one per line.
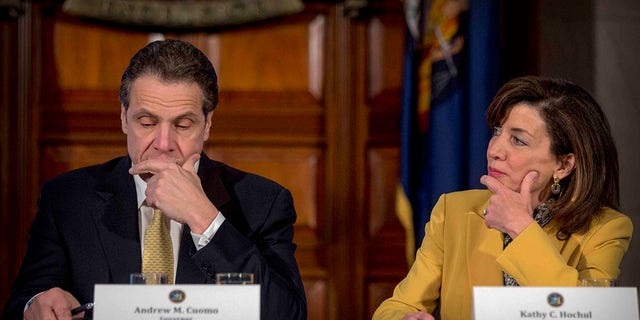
86, 232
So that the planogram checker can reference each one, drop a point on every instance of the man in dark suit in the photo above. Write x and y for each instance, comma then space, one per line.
90, 225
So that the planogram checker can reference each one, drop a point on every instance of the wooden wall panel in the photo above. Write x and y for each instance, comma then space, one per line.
310, 100
301, 171
57, 159
386, 259
386, 45
385, 252
270, 119
317, 299
378, 292
385, 52
255, 60
17, 141
298, 169
88, 56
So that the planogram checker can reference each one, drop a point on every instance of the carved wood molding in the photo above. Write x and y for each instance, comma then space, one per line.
181, 14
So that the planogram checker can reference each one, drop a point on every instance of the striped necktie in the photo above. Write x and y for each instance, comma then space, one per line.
158, 250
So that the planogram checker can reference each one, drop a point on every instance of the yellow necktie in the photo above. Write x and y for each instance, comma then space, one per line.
158, 249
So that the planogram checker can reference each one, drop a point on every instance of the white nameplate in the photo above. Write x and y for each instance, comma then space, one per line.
176, 302
543, 303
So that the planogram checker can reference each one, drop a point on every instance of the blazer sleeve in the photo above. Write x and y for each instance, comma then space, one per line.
420, 289
267, 252
534, 259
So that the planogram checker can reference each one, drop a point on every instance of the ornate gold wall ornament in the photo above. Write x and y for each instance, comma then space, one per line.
181, 14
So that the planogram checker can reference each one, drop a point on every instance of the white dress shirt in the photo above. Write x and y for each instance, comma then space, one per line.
145, 214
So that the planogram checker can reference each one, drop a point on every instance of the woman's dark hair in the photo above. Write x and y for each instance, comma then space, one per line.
172, 61
575, 124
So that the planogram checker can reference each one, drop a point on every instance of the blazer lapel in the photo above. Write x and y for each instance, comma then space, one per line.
484, 246
117, 223
565, 247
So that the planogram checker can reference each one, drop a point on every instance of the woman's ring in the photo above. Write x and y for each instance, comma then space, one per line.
484, 212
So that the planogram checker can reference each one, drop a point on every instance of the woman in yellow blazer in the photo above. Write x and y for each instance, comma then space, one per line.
548, 217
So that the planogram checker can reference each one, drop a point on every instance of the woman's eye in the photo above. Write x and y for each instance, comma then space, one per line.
496, 131
518, 141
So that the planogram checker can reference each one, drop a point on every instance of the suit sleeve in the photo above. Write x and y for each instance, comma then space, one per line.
267, 252
43, 267
533, 260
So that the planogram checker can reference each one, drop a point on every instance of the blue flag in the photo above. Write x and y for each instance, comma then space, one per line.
450, 75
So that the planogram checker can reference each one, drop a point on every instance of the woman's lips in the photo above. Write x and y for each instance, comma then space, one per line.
495, 173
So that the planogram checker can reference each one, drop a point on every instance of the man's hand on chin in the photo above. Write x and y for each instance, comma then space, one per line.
177, 191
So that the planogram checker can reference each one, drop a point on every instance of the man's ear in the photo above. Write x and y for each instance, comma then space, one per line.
123, 119
208, 123
566, 164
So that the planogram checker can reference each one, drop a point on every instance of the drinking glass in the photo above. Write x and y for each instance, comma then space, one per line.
234, 278
600, 282
148, 278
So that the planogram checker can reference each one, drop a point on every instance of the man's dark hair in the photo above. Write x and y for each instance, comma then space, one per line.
172, 61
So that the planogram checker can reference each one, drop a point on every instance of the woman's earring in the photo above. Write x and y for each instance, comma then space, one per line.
556, 187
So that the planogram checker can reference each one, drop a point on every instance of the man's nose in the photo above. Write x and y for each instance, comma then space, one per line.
164, 138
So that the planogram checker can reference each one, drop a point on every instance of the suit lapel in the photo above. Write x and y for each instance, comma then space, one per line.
117, 223
188, 271
484, 246
210, 173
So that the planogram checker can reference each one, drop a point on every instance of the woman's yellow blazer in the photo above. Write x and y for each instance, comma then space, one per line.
459, 252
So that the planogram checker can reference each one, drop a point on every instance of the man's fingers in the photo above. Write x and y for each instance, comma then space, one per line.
62, 311
145, 167
190, 164
151, 166
53, 302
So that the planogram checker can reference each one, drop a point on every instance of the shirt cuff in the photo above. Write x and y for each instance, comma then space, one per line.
201, 240
28, 304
